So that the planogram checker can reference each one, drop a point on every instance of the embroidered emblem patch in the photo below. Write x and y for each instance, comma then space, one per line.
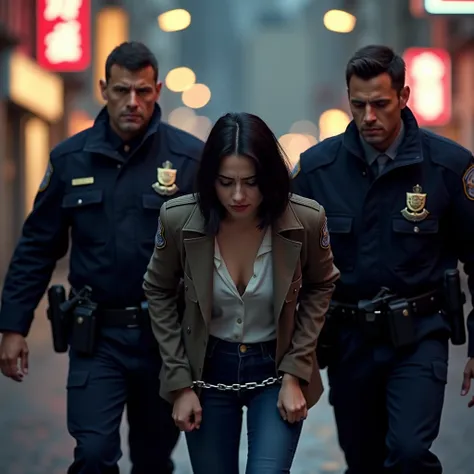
324, 241
296, 170
46, 178
468, 182
160, 241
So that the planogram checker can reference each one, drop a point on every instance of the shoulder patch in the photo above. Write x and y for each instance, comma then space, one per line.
296, 170
181, 201
324, 240
311, 203
468, 182
160, 240
46, 178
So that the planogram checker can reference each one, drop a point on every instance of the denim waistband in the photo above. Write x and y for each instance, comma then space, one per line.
241, 349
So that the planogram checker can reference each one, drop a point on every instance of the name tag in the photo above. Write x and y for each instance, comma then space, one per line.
82, 181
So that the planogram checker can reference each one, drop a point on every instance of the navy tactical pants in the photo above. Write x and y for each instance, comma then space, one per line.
123, 372
388, 404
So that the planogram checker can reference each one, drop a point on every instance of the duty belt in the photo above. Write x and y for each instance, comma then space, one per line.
123, 317
423, 305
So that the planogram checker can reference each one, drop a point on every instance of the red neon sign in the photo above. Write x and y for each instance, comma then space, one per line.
428, 73
63, 34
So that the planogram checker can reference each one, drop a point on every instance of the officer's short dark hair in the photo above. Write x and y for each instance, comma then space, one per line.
133, 56
246, 135
373, 60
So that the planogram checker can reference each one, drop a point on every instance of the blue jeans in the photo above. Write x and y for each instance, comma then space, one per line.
272, 442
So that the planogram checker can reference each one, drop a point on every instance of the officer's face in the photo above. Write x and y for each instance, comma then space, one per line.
237, 188
131, 98
376, 107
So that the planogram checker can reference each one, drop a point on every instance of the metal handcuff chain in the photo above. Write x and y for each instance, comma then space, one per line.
235, 387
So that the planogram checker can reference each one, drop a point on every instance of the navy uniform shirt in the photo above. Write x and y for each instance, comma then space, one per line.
374, 240
101, 193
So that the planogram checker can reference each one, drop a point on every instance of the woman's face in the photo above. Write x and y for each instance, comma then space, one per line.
237, 187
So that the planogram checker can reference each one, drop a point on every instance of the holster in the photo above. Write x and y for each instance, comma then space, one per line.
400, 320
84, 328
59, 320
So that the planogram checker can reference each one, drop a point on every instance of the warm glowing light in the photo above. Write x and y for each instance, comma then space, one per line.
34, 88
332, 122
180, 79
428, 70
339, 21
174, 20
182, 117
36, 157
196, 96
294, 144
111, 27
305, 127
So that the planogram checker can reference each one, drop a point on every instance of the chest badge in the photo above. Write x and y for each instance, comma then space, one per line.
416, 201
166, 183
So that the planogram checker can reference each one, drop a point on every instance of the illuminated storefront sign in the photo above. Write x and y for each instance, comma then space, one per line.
64, 34
428, 74
449, 7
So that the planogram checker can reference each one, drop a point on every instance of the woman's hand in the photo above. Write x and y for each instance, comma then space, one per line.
187, 411
291, 401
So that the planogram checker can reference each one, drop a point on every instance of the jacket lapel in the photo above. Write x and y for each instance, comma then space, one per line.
200, 257
285, 254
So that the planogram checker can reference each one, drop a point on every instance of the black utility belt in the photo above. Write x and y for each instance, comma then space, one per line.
420, 306
123, 317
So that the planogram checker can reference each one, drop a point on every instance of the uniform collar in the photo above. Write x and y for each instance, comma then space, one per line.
102, 138
371, 153
409, 146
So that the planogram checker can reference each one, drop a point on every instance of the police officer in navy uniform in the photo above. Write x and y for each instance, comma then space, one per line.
105, 186
400, 212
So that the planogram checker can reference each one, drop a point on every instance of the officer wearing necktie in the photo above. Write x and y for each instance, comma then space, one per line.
400, 207
104, 188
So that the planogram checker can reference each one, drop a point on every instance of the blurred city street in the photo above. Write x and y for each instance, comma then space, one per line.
34, 438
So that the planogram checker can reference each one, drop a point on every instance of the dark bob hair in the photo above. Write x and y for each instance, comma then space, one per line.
245, 135
372, 61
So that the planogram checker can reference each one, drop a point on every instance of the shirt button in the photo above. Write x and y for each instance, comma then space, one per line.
239, 321
364, 173
126, 148
119, 166
416, 229
79, 201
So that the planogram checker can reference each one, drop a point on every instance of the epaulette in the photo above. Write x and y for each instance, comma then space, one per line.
311, 203
181, 201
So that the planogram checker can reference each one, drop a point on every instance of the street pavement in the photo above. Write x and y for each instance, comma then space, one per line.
34, 438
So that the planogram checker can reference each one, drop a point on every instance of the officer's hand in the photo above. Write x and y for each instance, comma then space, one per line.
466, 384
14, 356
291, 402
187, 411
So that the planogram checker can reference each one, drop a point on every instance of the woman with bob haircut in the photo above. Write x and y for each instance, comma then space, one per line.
258, 276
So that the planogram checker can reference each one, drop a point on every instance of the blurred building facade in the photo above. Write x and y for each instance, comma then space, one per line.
32, 118
283, 60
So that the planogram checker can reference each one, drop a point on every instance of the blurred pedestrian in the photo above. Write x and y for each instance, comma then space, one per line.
400, 214
248, 254
105, 187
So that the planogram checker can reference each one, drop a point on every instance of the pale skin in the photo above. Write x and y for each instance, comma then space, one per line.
131, 98
239, 240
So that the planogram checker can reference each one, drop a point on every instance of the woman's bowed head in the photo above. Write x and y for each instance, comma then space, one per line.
244, 175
